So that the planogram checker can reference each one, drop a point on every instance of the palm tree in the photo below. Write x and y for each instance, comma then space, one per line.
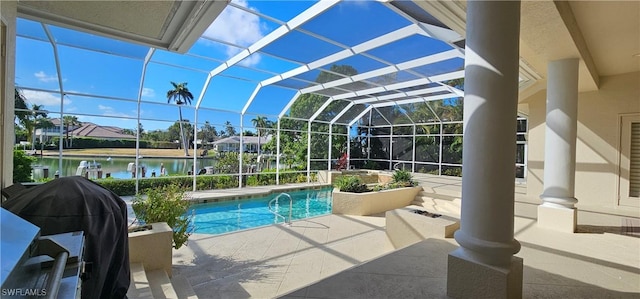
229, 130
181, 95
69, 121
20, 104
31, 121
260, 123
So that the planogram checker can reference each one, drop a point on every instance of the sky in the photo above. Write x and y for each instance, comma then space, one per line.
103, 87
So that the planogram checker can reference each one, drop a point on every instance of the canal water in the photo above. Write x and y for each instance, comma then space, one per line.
117, 167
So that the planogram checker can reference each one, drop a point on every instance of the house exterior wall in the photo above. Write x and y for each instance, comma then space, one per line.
8, 11
226, 147
597, 146
233, 147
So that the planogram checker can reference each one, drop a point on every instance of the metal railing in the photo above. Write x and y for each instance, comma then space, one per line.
275, 212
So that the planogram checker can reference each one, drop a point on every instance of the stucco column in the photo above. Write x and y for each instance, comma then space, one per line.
7, 84
484, 266
558, 210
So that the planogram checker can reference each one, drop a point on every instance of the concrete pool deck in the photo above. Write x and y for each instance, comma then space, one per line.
272, 261
337, 256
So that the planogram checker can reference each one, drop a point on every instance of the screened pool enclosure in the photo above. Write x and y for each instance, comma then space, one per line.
378, 83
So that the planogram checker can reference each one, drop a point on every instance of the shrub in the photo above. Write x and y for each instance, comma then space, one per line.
166, 204
22, 166
252, 181
402, 178
301, 178
350, 183
370, 165
453, 171
89, 142
125, 187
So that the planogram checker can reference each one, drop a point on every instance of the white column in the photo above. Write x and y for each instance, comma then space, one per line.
484, 266
558, 210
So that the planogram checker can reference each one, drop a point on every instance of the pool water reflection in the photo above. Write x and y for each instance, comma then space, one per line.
229, 216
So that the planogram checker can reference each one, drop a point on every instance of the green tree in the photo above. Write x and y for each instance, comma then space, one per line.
20, 105
208, 132
174, 131
166, 204
131, 132
294, 144
229, 130
260, 123
229, 162
22, 166
158, 135
69, 121
140, 130
181, 95
32, 121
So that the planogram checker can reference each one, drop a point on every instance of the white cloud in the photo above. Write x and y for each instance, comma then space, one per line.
43, 77
110, 111
105, 108
252, 60
237, 27
148, 92
43, 98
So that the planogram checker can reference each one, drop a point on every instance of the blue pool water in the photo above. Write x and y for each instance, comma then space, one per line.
229, 216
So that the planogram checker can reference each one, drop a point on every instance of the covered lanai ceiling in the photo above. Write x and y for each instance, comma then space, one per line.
258, 58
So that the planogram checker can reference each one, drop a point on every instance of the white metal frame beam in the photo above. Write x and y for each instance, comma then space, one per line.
415, 100
294, 23
442, 56
406, 84
353, 121
363, 47
286, 107
420, 61
402, 95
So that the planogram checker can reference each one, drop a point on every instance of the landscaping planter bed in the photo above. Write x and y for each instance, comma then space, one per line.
375, 202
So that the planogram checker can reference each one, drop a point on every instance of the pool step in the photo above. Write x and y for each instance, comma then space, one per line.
155, 284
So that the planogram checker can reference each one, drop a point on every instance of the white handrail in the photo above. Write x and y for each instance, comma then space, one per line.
290, 207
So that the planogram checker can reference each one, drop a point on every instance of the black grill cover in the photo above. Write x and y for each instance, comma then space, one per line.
72, 204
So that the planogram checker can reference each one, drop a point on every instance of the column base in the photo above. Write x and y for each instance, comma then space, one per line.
471, 279
557, 218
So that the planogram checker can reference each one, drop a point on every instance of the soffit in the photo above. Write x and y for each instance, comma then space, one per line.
172, 25
611, 30
603, 34
544, 37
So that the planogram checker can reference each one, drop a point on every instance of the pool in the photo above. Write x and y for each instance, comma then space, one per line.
229, 216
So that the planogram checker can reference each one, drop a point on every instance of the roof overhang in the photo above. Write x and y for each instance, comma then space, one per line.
172, 25
605, 35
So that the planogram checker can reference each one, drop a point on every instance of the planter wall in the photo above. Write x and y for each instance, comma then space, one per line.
367, 176
153, 248
369, 203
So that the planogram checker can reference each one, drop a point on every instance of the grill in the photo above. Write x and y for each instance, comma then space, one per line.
35, 266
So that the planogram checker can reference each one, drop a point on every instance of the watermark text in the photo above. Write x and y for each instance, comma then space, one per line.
24, 292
